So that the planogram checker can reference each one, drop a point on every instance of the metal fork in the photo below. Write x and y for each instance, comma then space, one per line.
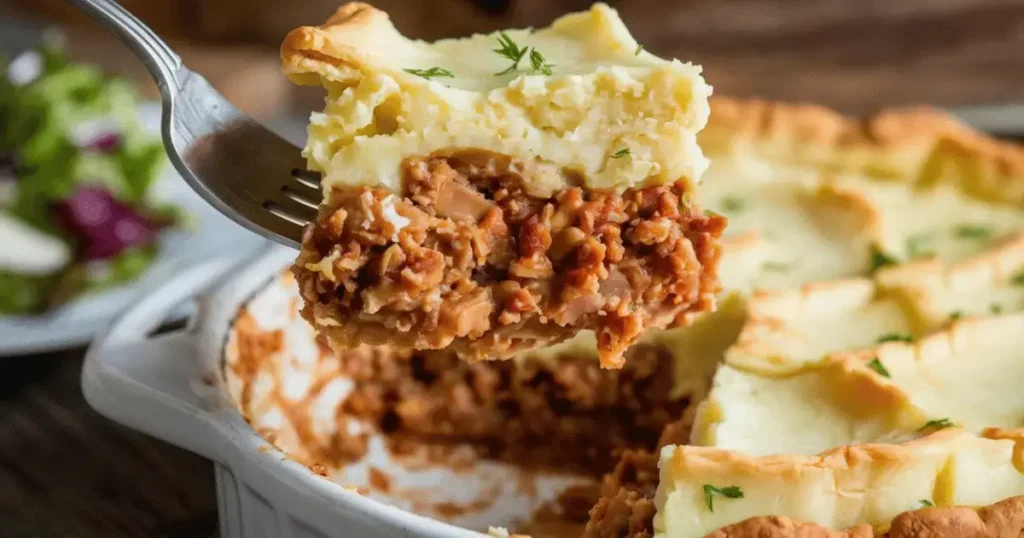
240, 167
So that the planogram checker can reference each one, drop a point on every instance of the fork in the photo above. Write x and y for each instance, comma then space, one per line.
247, 172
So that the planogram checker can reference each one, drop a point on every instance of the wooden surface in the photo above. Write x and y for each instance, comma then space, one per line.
66, 472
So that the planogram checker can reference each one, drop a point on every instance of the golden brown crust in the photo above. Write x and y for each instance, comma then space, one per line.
692, 460
758, 120
917, 143
783, 527
306, 46
1004, 519
984, 166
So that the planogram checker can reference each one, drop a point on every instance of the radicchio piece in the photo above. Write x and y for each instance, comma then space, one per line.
106, 143
103, 226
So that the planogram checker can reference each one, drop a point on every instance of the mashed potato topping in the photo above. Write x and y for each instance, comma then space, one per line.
584, 103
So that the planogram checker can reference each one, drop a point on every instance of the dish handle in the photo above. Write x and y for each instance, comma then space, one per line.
155, 383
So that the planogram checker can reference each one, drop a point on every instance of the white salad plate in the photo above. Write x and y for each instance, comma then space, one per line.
208, 235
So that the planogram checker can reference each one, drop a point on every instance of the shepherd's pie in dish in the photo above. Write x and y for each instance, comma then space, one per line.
499, 193
860, 377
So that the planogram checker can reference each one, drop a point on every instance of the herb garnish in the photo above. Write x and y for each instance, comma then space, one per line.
538, 63
710, 492
621, 153
775, 267
915, 246
878, 367
926, 503
895, 337
880, 259
1018, 279
733, 204
639, 49
509, 50
972, 231
995, 308
432, 72
938, 424
955, 315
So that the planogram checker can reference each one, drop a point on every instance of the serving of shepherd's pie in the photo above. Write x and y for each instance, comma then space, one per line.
501, 192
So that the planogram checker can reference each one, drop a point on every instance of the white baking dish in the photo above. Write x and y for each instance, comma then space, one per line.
171, 386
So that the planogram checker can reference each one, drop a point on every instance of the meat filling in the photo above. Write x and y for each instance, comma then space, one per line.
475, 258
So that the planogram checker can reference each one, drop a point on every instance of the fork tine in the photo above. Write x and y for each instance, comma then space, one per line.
284, 212
313, 189
296, 206
283, 223
308, 175
293, 194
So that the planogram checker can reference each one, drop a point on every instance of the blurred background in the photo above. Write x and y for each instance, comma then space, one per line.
66, 471
853, 55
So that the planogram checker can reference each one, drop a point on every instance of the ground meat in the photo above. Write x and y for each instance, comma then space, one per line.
517, 412
626, 507
474, 258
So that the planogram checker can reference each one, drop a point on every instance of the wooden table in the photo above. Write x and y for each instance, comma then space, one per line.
65, 471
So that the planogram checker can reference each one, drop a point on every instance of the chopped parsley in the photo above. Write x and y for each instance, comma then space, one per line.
953, 316
538, 62
895, 337
510, 50
733, 204
938, 424
880, 259
775, 267
878, 367
432, 72
925, 503
995, 308
1018, 279
710, 492
621, 153
639, 49
973, 231
916, 246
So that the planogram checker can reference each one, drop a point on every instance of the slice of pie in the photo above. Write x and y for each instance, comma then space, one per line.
502, 192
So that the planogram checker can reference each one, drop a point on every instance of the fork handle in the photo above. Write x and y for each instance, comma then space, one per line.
163, 64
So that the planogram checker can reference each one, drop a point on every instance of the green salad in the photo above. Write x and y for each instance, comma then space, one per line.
76, 171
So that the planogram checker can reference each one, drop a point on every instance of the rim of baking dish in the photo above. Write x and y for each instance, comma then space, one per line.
185, 401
